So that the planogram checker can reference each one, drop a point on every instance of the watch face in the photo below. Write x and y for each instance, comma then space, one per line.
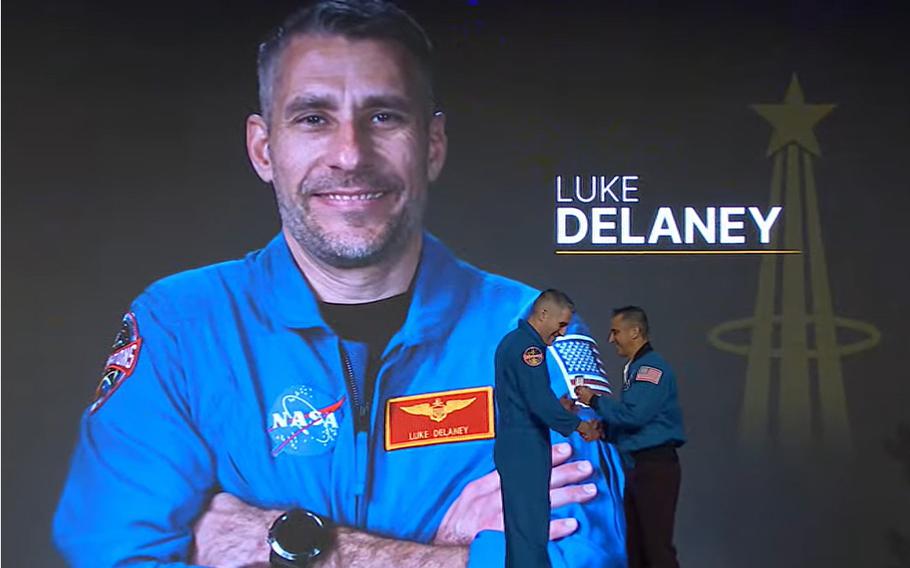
299, 534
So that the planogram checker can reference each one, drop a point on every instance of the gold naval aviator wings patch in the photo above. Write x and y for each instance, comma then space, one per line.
438, 410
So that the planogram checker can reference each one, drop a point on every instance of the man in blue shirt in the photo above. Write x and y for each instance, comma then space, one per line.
647, 427
328, 399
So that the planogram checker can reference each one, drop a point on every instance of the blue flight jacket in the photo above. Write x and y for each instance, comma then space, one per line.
648, 415
226, 378
524, 398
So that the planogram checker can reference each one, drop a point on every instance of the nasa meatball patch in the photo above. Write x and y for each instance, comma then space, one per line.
121, 363
304, 422
532, 356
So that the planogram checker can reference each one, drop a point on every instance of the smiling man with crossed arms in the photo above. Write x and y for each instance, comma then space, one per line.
258, 382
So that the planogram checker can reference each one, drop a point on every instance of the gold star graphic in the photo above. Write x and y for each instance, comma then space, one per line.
793, 120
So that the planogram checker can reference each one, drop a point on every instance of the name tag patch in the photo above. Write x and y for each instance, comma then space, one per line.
439, 418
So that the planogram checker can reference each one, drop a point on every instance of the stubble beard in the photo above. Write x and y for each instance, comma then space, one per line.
350, 247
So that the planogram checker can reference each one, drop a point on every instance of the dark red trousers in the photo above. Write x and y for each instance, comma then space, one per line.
652, 490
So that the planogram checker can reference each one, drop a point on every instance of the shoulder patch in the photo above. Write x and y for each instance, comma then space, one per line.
649, 374
121, 363
532, 356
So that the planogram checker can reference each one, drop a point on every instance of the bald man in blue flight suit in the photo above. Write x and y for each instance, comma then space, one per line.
527, 410
335, 387
647, 427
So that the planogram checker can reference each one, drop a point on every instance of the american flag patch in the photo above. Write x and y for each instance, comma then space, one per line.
649, 374
579, 360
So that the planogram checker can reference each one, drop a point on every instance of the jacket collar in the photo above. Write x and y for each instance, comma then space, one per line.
525, 326
440, 291
646, 348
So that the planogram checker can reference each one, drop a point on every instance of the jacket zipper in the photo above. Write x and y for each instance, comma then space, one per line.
360, 410
361, 427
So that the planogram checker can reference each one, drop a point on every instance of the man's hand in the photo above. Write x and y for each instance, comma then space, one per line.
568, 403
232, 534
584, 394
586, 431
590, 430
597, 428
479, 507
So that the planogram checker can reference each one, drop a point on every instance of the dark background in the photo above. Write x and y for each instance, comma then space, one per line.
124, 161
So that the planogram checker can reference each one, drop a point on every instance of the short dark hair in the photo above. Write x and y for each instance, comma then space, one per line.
635, 315
554, 296
354, 19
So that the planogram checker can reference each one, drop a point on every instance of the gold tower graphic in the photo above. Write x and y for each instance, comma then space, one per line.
794, 393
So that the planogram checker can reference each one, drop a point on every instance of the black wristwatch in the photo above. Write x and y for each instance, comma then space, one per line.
298, 537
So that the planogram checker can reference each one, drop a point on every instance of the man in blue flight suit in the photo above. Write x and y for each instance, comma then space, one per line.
647, 427
328, 399
527, 410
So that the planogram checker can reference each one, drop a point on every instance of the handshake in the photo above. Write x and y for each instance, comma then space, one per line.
590, 430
